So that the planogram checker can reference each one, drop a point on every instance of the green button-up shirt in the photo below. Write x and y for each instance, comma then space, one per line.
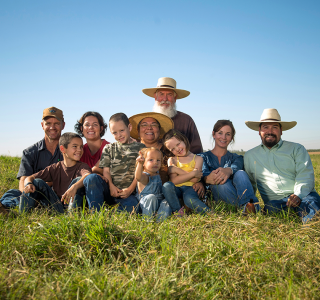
278, 172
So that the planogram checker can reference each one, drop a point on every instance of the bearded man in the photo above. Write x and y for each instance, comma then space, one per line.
166, 95
282, 171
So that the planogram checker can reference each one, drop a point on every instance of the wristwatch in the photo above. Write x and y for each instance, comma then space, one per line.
27, 183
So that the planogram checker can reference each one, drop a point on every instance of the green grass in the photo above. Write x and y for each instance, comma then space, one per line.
117, 256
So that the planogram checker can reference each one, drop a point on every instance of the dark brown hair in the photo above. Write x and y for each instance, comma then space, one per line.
179, 136
119, 117
66, 138
221, 123
79, 126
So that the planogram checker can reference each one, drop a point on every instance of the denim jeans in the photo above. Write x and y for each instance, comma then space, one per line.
236, 191
306, 210
97, 192
43, 195
11, 198
189, 195
150, 204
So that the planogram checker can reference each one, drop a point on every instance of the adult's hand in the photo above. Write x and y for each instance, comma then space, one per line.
199, 188
222, 175
293, 201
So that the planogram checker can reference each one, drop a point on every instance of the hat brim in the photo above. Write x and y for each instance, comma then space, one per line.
166, 123
254, 125
180, 93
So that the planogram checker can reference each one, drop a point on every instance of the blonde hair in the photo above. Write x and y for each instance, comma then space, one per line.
145, 151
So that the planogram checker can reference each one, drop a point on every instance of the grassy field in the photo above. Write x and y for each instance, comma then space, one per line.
118, 256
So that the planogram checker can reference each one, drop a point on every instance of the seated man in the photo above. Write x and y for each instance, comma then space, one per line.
282, 171
61, 175
38, 156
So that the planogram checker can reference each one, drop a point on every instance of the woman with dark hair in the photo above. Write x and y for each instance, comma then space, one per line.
92, 127
223, 171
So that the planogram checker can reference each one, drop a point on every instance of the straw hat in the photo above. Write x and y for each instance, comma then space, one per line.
166, 83
270, 115
165, 123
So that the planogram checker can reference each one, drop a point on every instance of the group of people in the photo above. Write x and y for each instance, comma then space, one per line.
157, 166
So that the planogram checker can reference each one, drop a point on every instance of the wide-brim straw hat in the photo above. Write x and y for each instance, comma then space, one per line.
166, 123
166, 83
270, 115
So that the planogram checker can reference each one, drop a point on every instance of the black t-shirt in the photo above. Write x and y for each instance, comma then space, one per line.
36, 158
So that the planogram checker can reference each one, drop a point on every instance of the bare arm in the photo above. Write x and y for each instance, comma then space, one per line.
21, 183
139, 175
71, 192
114, 191
30, 188
125, 193
96, 169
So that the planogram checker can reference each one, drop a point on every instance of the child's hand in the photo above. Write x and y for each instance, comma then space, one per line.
30, 188
140, 158
198, 173
125, 193
104, 178
70, 193
114, 191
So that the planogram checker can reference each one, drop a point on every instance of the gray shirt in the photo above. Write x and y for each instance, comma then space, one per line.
36, 158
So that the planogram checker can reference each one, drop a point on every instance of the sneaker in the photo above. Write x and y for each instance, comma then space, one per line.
250, 209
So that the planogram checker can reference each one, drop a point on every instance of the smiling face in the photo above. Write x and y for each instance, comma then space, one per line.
74, 150
52, 128
270, 133
149, 131
152, 162
177, 147
223, 137
91, 128
120, 131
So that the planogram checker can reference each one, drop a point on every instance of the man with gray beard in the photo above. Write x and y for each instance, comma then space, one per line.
166, 95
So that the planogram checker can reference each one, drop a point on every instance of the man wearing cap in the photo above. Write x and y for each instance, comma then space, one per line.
282, 171
166, 95
38, 156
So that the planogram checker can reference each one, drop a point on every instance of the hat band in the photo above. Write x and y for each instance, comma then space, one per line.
271, 120
166, 86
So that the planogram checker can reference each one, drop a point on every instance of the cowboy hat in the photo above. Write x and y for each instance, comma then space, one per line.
165, 123
270, 115
166, 83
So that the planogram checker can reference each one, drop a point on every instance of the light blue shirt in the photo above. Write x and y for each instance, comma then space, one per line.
278, 172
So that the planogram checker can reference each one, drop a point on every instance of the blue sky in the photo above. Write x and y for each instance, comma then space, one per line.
235, 57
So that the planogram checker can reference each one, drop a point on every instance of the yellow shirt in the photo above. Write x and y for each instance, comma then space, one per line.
188, 168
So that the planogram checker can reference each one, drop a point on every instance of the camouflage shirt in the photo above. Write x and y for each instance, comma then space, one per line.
121, 159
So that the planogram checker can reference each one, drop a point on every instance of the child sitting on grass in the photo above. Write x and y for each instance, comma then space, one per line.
149, 184
118, 163
61, 174
185, 169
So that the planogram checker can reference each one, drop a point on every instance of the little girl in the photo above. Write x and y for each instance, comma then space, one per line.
149, 186
184, 171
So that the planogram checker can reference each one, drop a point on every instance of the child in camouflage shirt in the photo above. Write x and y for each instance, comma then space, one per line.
118, 163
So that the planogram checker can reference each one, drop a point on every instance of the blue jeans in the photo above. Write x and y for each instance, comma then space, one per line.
11, 198
189, 195
306, 210
236, 191
150, 204
97, 190
43, 195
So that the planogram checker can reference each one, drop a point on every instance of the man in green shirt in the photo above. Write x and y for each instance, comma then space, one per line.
282, 171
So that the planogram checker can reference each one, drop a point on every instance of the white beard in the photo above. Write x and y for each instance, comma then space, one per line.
170, 111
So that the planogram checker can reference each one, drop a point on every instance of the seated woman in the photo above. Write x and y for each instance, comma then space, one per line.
92, 127
223, 171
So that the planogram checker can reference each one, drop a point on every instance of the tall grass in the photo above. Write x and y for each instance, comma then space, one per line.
108, 255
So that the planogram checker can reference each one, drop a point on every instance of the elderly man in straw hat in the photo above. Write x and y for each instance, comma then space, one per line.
282, 171
166, 95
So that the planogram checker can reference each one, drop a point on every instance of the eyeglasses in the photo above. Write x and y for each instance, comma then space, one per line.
145, 125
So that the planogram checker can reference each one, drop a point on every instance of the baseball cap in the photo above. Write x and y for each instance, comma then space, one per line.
53, 112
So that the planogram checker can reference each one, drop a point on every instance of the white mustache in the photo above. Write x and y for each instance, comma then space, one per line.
165, 102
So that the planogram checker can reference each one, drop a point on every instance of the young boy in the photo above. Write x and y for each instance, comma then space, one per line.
118, 163
61, 174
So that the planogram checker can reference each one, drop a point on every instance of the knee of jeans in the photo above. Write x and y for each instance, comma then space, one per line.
167, 186
37, 182
91, 179
240, 174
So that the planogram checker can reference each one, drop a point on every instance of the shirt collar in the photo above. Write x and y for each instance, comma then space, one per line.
275, 147
42, 145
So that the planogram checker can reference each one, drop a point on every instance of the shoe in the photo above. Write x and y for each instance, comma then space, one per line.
250, 209
4, 210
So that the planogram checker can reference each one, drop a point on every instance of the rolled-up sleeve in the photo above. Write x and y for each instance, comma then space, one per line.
236, 163
304, 182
